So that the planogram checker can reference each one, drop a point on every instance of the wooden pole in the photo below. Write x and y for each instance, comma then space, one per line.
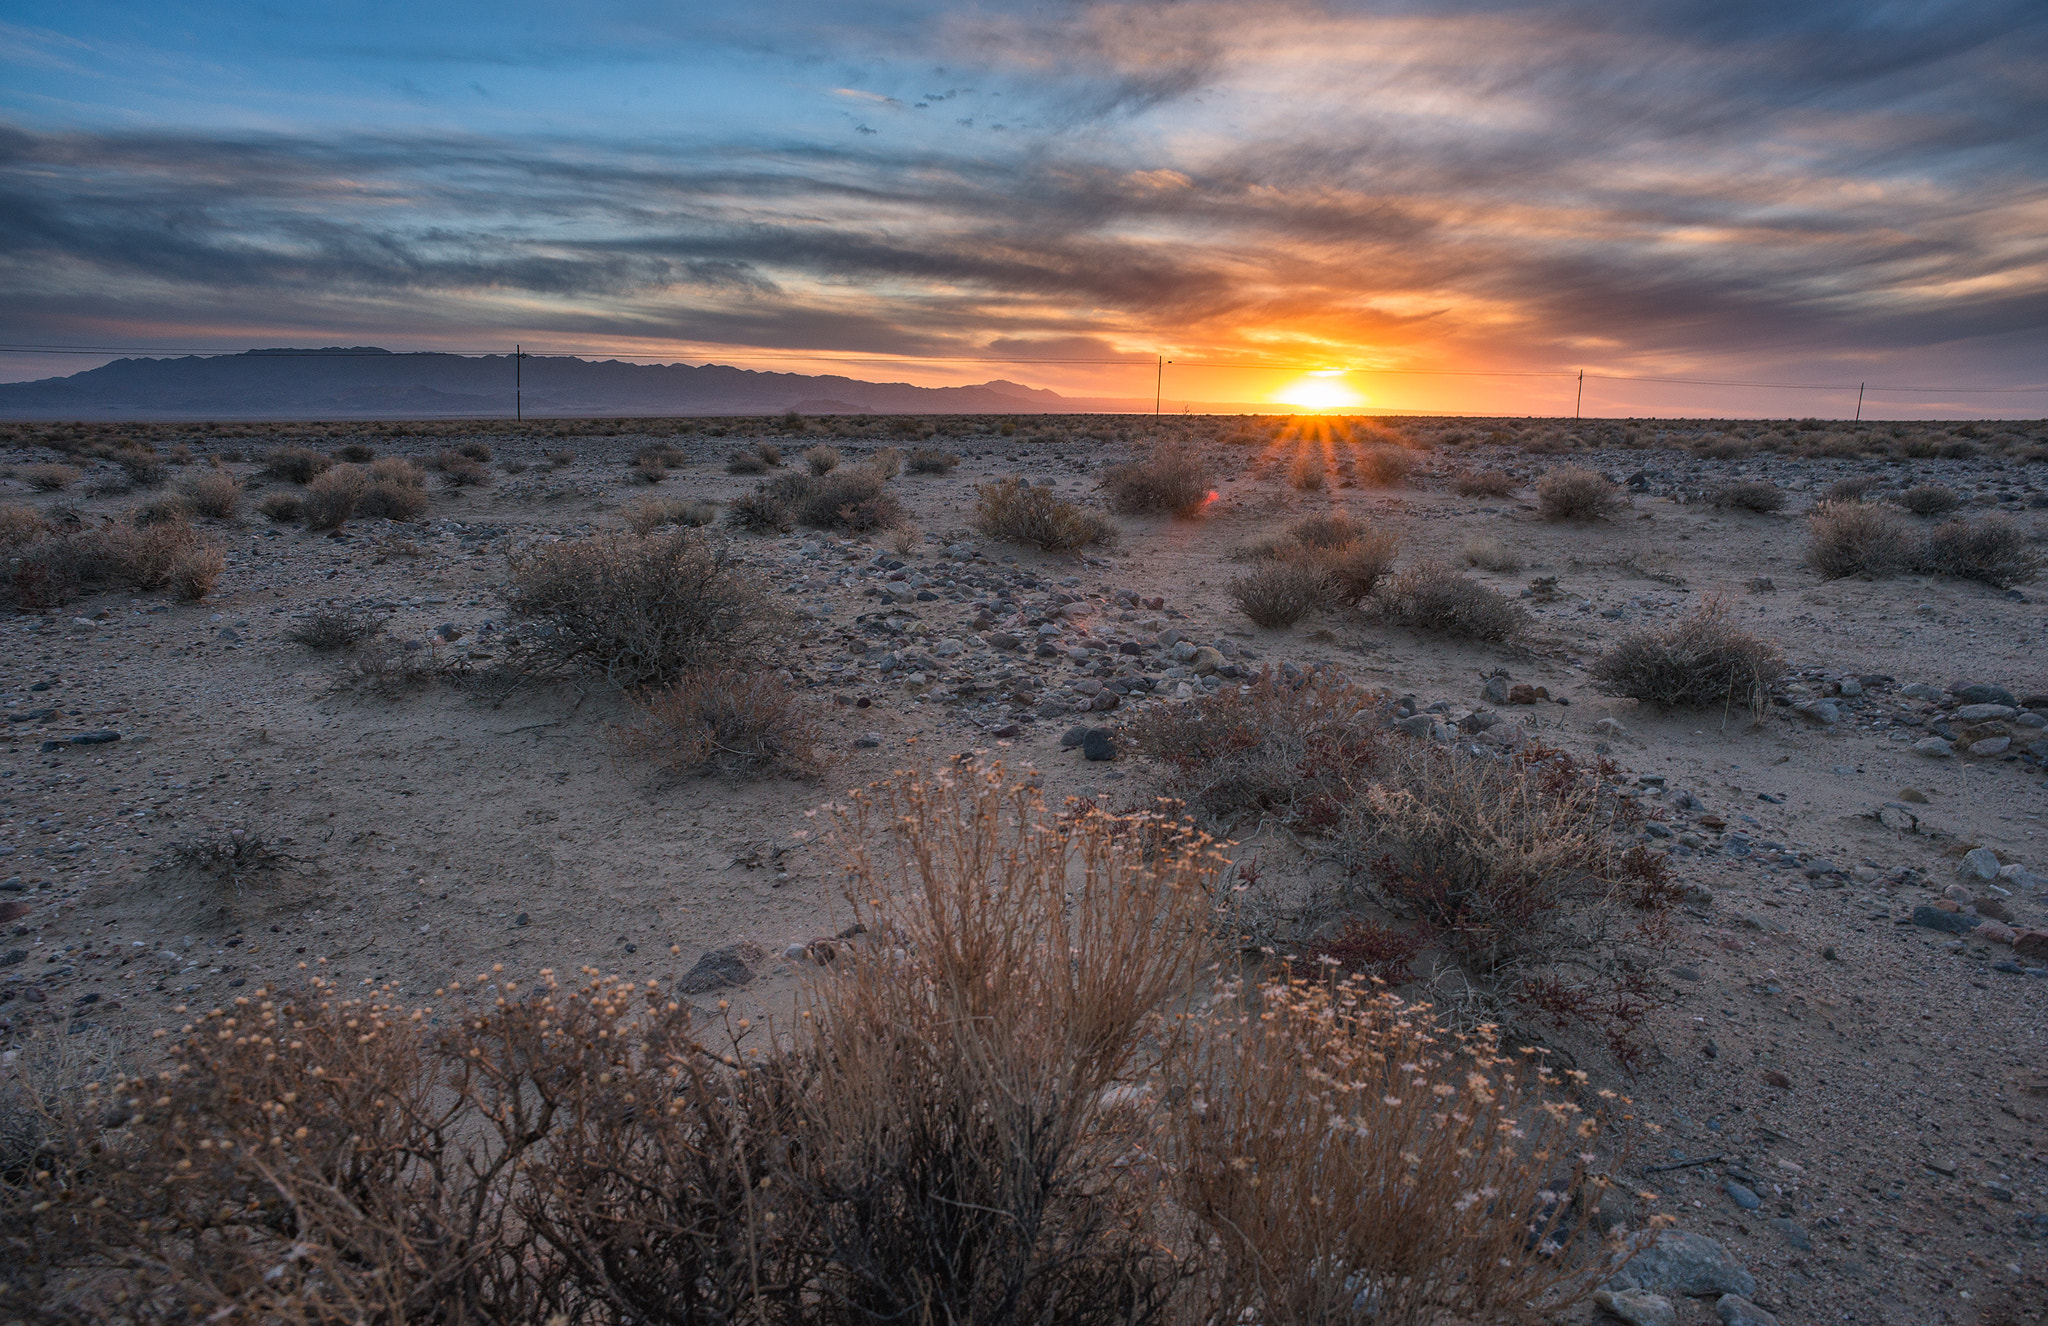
1580, 402
1158, 384
1859, 400
518, 384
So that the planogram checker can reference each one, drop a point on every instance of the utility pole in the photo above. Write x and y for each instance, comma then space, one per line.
1859, 400
518, 384
1158, 384
1580, 402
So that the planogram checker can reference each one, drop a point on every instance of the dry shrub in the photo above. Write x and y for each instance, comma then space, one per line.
1371, 949
330, 629
1306, 473
1352, 570
561, 460
745, 462
20, 524
971, 1163
47, 478
1848, 537
769, 452
460, 470
355, 453
931, 460
1172, 479
647, 514
196, 570
215, 494
283, 508
1384, 466
1568, 493
1483, 483
1437, 600
62, 565
1992, 550
821, 459
888, 462
1703, 662
1853, 489
397, 491
1490, 554
647, 472
725, 721
480, 452
852, 498
1930, 499
1345, 559
1327, 531
761, 511
332, 498
1749, 495
1353, 1163
296, 464
163, 509
641, 611
1015, 511
1277, 594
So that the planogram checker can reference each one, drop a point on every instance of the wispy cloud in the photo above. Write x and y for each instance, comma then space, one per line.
1667, 186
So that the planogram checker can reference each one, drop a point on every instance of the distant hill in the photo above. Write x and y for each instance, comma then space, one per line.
367, 382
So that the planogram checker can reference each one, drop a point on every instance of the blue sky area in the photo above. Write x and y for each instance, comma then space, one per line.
1829, 192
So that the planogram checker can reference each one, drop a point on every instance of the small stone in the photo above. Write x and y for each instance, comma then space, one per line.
1098, 743
947, 648
1613, 727
1934, 747
1982, 713
1952, 923
1990, 746
868, 740
1687, 1264
1073, 737
1105, 701
720, 967
1919, 690
1980, 862
1205, 660
1913, 795
95, 738
1636, 1307
1734, 1310
522, 919
1852, 688
1415, 725
2032, 944
1981, 694
1495, 691
1772, 1077
1523, 693
1996, 932
1003, 640
1742, 1196
1793, 1233
1824, 712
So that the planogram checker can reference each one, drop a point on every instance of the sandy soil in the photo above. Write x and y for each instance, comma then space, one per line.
1880, 1085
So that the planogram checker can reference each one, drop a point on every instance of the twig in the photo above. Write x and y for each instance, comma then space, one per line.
1685, 1164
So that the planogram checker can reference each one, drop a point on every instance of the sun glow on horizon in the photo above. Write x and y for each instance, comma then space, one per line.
1323, 389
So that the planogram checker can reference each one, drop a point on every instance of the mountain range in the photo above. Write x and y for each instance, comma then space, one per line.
367, 382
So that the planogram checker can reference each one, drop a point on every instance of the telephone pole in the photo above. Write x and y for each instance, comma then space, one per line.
518, 384
1158, 384
1580, 402
1859, 400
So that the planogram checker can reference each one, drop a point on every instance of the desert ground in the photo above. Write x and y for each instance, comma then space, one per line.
1852, 1101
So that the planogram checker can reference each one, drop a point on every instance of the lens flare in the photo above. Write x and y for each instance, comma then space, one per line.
1323, 389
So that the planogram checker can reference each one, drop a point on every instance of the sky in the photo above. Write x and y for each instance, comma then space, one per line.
1418, 199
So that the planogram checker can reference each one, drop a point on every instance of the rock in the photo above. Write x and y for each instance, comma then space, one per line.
721, 967
947, 648
1073, 737
1415, 725
1996, 932
1920, 690
1897, 817
1206, 660
1495, 691
1687, 1264
1981, 694
1734, 1310
1636, 1307
1980, 862
1612, 727
1523, 693
1098, 743
95, 738
2032, 944
1105, 701
1004, 640
1742, 1196
1851, 689
1952, 923
1991, 746
1991, 909
1824, 712
1913, 795
868, 740
1793, 1233
1984, 713
1935, 747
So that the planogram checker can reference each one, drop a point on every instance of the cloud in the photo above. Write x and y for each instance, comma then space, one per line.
1655, 184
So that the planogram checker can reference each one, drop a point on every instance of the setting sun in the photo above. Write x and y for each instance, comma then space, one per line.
1320, 390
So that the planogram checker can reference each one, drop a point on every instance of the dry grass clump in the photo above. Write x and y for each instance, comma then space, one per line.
1277, 594
853, 498
725, 721
1172, 479
1749, 495
163, 509
296, 464
1703, 662
1435, 599
63, 564
1306, 473
1384, 466
330, 500
1490, 554
642, 611
227, 857
760, 512
1568, 493
561, 460
355, 453
1930, 499
283, 508
1326, 531
472, 449
332, 629
888, 462
1847, 537
647, 514
21, 524
1993, 550
821, 459
215, 494
744, 462
460, 469
769, 452
1483, 483
1354, 1163
1015, 511
1852, 489
1344, 559
397, 491
931, 460
47, 478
